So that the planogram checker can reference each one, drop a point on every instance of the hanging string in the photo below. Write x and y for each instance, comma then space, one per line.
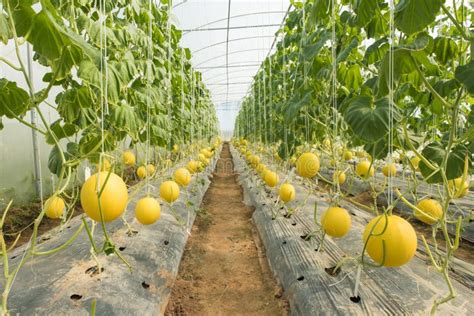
192, 105
148, 83
169, 88
336, 187
182, 91
390, 100
271, 103
285, 128
265, 105
303, 39
102, 65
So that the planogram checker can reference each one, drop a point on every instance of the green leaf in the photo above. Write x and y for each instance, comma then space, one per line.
376, 51
421, 42
346, 51
90, 72
60, 131
353, 78
71, 104
378, 26
295, 104
71, 55
45, 37
412, 16
22, 16
435, 153
404, 65
366, 11
5, 32
310, 51
126, 119
445, 49
319, 11
90, 144
465, 75
14, 101
55, 163
369, 121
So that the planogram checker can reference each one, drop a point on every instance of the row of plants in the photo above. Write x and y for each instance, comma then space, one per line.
343, 86
130, 107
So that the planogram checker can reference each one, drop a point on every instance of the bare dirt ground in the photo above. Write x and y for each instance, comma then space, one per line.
224, 270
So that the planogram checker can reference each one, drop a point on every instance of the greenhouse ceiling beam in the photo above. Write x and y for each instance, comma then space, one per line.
232, 40
231, 53
177, 5
234, 93
273, 44
227, 47
227, 66
233, 27
232, 17
248, 77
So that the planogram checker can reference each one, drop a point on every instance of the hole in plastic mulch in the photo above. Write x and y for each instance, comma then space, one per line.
122, 248
305, 237
166, 242
331, 271
145, 285
75, 297
301, 278
132, 233
284, 242
94, 270
355, 299
293, 224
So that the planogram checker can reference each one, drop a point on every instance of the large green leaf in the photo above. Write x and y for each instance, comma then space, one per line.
465, 75
369, 121
310, 51
342, 56
376, 51
23, 16
319, 11
435, 153
378, 26
353, 77
403, 61
45, 37
71, 55
55, 163
295, 104
5, 32
60, 131
71, 102
366, 11
412, 16
91, 73
445, 49
126, 119
404, 65
14, 101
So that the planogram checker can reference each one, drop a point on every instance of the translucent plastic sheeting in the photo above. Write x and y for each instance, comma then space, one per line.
228, 51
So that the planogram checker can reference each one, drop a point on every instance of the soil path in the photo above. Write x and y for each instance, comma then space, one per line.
223, 270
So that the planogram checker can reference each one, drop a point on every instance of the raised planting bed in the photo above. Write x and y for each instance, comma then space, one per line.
69, 283
306, 274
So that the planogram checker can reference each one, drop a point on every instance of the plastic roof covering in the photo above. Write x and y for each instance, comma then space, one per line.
228, 52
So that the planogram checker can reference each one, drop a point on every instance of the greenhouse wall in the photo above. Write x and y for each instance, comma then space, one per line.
16, 142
